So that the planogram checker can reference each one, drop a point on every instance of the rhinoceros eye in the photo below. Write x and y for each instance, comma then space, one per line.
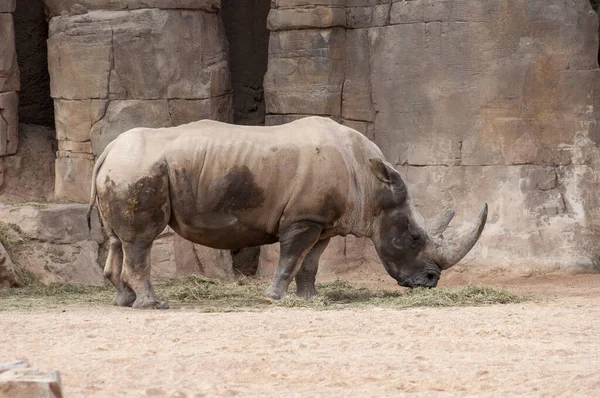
414, 239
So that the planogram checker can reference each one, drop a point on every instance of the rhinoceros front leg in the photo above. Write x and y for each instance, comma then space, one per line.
305, 278
296, 240
136, 274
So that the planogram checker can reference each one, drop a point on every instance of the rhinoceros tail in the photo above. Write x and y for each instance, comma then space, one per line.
99, 163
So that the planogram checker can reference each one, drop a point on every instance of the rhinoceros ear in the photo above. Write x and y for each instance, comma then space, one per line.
380, 170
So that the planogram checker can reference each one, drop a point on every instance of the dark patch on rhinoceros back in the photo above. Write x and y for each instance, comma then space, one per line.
240, 191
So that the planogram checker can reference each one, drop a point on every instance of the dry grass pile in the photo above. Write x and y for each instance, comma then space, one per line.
211, 295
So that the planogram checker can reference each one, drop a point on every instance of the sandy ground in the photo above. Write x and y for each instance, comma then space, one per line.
549, 347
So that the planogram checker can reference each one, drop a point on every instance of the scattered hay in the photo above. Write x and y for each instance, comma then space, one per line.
12, 238
211, 295
36, 295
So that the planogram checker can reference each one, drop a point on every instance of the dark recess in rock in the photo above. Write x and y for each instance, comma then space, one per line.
246, 29
31, 33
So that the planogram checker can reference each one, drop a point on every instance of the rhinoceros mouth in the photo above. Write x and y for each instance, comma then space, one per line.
427, 279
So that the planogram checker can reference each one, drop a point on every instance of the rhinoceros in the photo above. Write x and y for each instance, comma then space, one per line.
230, 187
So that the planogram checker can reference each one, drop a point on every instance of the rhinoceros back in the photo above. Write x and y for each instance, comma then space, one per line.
235, 186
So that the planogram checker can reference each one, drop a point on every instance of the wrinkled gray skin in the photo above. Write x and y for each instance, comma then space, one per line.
231, 187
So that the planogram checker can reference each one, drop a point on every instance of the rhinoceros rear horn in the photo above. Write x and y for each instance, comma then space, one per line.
445, 253
438, 224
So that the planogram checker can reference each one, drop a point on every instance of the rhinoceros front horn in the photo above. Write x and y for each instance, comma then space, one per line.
444, 252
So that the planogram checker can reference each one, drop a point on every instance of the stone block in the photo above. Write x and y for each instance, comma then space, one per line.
74, 146
121, 116
74, 119
56, 223
356, 97
307, 3
173, 256
73, 176
9, 69
8, 272
89, 56
29, 173
19, 379
60, 7
8, 5
306, 18
79, 58
305, 72
9, 119
182, 74
186, 111
54, 242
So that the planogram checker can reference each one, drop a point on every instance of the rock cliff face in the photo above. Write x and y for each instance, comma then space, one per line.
473, 101
116, 65
9, 85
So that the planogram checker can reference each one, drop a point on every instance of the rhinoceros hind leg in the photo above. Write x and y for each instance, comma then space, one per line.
305, 278
112, 271
296, 240
136, 274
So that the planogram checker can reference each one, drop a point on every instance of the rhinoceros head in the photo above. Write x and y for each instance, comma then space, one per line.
413, 250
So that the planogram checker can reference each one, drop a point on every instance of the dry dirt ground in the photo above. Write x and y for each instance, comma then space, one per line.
546, 347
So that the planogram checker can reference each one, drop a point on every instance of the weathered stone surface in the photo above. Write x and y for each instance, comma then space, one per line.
9, 119
475, 101
53, 242
19, 379
73, 176
7, 5
153, 65
53, 223
90, 55
9, 69
58, 7
305, 72
29, 173
356, 98
186, 111
173, 256
121, 116
79, 64
544, 222
74, 119
304, 18
8, 272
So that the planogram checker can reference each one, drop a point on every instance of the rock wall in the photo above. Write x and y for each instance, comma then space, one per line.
473, 101
9, 85
29, 174
115, 65
53, 242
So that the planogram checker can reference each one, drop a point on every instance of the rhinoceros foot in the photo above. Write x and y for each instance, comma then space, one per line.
272, 294
124, 298
148, 304
306, 292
